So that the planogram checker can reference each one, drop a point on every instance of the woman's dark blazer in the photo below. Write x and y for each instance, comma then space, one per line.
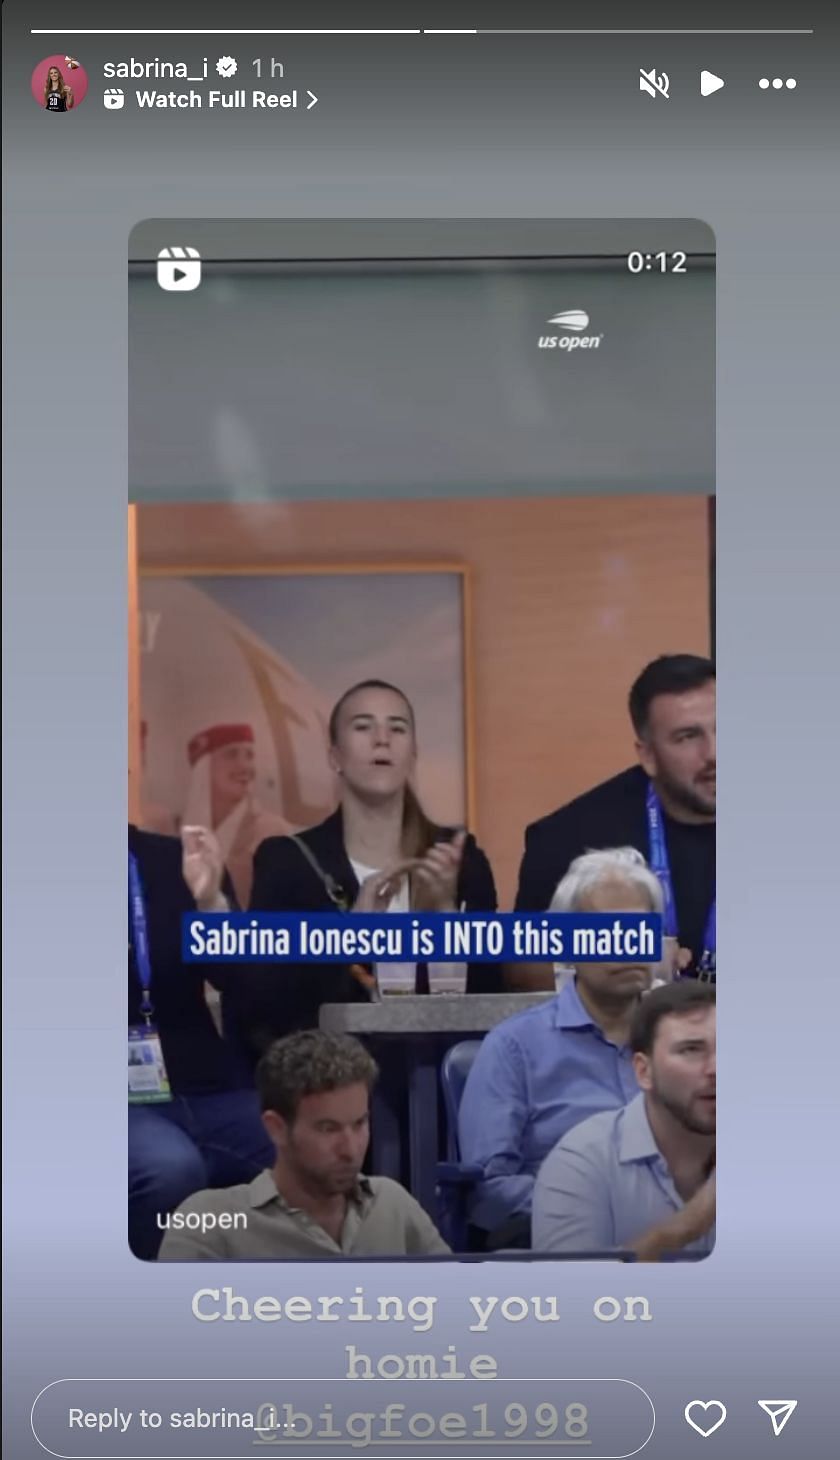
267, 1002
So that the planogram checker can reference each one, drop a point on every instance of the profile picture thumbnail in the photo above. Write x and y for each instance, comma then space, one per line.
59, 83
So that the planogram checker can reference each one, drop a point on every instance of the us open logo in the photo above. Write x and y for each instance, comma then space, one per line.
571, 324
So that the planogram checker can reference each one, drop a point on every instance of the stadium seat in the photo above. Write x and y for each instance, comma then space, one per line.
455, 1179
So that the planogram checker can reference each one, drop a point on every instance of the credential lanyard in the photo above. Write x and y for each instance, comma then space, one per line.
140, 936
661, 866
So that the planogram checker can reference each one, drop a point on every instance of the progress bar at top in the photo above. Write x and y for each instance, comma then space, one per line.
51, 30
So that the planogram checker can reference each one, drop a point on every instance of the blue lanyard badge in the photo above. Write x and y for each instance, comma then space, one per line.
139, 935
661, 866
147, 1077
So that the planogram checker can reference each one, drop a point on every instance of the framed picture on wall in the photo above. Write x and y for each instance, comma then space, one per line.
240, 667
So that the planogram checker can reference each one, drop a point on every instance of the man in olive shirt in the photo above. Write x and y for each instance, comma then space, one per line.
314, 1091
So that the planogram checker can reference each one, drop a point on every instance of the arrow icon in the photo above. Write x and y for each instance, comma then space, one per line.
709, 82
779, 1410
313, 101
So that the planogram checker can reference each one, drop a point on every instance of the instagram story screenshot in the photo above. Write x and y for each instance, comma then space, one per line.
408, 411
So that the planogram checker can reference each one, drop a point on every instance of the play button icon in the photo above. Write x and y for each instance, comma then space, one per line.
709, 82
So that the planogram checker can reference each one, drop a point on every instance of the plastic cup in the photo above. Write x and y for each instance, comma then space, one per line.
447, 978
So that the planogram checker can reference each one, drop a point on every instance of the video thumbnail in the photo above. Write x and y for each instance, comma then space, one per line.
421, 585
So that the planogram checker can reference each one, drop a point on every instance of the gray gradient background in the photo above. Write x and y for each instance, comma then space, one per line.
430, 127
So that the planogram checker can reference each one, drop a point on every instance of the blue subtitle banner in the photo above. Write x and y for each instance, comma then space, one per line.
421, 937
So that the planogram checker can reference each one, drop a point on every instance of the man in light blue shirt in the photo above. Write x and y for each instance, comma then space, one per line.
544, 1071
642, 1179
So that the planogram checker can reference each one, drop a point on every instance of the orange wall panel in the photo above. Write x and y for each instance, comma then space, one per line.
570, 598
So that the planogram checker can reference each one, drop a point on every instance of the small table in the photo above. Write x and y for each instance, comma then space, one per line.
412, 1033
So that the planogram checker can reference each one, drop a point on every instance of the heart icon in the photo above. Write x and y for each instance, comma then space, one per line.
706, 1427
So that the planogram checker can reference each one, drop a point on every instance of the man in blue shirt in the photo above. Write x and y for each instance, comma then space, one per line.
542, 1072
643, 1179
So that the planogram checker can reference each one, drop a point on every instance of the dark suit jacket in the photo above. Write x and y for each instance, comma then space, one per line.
198, 1060
614, 814
610, 815
266, 1002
